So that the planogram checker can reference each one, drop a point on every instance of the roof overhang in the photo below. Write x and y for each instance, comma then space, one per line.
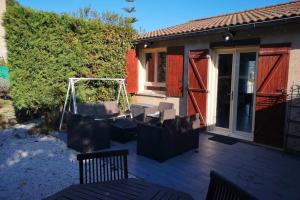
254, 25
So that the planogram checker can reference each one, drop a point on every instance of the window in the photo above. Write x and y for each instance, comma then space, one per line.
150, 65
161, 67
155, 71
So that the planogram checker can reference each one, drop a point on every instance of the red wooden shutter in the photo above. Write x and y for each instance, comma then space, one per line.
132, 71
159, 68
150, 66
197, 84
272, 77
174, 71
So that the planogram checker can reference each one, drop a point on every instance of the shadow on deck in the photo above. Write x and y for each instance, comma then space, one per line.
265, 173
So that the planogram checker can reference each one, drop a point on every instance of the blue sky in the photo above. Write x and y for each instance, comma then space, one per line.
154, 14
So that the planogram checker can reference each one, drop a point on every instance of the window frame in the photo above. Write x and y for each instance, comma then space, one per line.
155, 83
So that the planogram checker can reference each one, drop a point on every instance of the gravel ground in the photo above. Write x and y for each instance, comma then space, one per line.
34, 167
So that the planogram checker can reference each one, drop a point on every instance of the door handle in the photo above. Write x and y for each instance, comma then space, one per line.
230, 94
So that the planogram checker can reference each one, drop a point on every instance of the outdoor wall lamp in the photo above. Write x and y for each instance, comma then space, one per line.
228, 36
147, 44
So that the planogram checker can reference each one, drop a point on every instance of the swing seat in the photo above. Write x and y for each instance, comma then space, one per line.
101, 110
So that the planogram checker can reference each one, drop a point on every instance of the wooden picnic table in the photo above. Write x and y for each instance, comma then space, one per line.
120, 190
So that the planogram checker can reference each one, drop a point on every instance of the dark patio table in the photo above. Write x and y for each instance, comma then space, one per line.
120, 190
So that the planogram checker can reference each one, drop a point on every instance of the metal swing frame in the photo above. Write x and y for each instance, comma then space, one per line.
72, 94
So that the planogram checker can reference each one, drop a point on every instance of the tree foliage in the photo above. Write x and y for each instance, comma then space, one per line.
45, 49
130, 10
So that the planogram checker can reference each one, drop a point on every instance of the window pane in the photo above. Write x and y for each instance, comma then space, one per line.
246, 91
150, 66
224, 90
161, 67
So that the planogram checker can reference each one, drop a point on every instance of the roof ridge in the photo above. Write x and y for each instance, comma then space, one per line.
276, 11
242, 11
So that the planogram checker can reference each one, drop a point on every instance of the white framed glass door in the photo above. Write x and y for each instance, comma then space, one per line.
224, 91
236, 93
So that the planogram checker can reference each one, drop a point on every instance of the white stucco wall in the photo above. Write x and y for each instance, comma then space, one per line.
143, 99
3, 50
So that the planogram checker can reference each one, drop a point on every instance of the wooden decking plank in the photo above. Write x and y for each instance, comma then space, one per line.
169, 195
91, 193
138, 183
134, 184
112, 196
123, 190
63, 198
113, 190
150, 193
160, 195
129, 188
84, 195
71, 195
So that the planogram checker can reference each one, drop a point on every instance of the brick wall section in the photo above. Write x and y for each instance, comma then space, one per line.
3, 49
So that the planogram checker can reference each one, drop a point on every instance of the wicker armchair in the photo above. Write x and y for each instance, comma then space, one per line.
163, 112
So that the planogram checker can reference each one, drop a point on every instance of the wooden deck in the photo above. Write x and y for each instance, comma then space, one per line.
265, 173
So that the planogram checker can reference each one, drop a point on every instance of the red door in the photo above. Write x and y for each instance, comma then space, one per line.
197, 84
272, 77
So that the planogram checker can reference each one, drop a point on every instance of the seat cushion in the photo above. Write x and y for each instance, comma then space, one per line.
86, 109
155, 115
111, 107
104, 109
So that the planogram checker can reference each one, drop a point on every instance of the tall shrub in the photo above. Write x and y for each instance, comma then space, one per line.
45, 49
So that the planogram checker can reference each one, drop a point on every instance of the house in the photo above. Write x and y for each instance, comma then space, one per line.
3, 49
235, 70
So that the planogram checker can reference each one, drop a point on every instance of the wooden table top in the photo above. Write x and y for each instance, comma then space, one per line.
120, 190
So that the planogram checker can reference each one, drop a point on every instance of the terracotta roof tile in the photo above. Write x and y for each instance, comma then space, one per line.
279, 11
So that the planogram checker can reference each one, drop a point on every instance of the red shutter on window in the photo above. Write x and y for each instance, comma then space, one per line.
271, 88
174, 71
150, 63
197, 83
132, 71
159, 68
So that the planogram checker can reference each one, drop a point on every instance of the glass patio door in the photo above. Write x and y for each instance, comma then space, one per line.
224, 91
236, 93
245, 92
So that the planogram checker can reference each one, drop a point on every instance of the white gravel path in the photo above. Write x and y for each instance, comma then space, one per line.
34, 167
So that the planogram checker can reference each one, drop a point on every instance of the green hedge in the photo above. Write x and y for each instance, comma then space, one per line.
45, 49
